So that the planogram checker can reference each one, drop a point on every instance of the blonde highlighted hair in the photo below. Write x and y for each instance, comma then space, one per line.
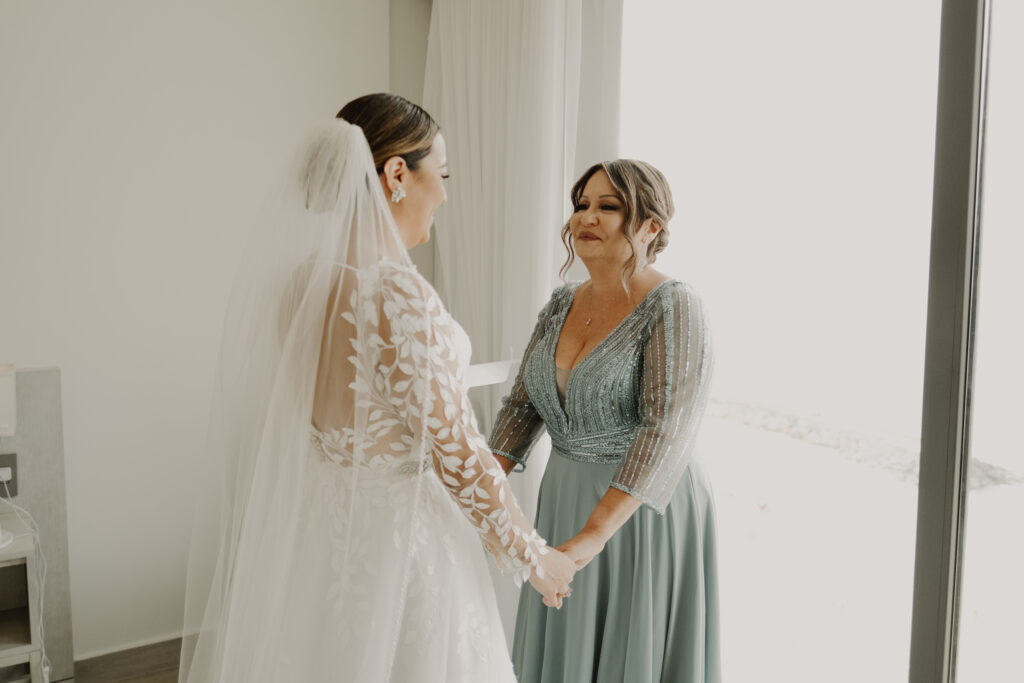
645, 195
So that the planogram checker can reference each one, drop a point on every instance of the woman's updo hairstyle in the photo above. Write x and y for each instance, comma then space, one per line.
645, 194
393, 126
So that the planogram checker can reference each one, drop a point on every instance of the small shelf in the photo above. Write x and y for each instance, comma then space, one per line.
15, 634
16, 552
16, 672
19, 650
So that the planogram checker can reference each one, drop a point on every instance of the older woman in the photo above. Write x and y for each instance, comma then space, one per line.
617, 371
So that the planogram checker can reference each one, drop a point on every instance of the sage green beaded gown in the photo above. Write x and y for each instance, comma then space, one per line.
646, 608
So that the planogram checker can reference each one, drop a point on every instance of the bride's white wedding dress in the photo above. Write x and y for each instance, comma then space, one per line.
450, 628
351, 484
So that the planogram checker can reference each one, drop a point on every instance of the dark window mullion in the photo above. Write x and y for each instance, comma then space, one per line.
951, 297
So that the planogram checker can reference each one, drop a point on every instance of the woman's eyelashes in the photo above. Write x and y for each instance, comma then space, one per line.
603, 207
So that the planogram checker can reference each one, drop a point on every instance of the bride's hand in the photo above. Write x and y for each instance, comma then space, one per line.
558, 572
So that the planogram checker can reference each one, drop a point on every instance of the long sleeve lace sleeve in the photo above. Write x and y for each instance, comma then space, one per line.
677, 364
425, 385
518, 425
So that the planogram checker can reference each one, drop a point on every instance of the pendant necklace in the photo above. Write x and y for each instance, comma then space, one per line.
590, 308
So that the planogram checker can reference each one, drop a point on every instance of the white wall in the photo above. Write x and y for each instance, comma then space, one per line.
136, 140
410, 25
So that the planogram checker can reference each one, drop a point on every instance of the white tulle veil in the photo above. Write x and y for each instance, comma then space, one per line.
292, 328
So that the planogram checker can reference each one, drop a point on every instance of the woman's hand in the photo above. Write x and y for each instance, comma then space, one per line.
583, 547
612, 511
558, 572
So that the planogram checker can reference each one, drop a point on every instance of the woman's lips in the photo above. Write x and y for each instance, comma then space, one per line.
587, 236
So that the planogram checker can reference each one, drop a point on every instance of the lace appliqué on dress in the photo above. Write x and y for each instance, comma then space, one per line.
410, 358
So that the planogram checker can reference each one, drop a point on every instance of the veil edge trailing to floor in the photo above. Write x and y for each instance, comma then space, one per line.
306, 301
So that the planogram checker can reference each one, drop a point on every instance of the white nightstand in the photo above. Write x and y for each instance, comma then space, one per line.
19, 602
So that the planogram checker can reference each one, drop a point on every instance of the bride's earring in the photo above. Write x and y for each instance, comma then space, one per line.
397, 194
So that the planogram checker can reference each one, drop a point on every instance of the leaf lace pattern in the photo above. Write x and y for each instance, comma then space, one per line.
410, 358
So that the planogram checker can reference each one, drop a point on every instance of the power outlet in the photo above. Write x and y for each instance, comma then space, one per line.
9, 460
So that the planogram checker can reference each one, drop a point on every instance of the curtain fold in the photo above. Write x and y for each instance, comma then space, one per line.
504, 80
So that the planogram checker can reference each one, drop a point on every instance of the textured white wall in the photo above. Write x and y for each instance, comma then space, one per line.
136, 141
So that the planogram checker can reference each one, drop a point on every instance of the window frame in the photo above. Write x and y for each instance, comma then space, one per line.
952, 305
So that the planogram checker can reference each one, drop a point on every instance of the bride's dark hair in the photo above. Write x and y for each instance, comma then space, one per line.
393, 126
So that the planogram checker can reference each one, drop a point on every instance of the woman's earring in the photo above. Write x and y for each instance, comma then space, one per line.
397, 194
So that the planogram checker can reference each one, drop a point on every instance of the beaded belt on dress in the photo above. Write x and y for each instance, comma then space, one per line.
604, 448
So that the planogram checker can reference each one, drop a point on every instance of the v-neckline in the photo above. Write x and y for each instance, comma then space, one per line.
561, 327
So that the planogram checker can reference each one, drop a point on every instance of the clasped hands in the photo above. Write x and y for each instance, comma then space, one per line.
561, 564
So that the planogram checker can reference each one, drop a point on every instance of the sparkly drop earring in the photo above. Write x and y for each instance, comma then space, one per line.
397, 194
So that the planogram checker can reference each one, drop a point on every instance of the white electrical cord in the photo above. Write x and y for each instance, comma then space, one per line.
27, 520
6, 538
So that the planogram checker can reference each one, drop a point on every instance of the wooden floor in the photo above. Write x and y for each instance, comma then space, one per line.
151, 664
163, 677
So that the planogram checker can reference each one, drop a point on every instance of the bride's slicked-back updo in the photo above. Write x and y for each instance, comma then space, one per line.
645, 194
393, 126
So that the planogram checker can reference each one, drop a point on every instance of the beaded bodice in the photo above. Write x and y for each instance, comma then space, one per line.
635, 400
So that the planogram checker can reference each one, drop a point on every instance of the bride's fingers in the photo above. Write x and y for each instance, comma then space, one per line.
554, 600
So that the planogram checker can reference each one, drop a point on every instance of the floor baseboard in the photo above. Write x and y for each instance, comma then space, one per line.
130, 664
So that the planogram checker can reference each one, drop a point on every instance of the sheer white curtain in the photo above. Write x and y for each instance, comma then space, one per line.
503, 78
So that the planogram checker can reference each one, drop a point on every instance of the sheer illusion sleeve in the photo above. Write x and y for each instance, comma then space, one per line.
518, 425
425, 386
677, 363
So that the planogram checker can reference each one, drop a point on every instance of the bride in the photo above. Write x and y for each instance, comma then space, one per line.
346, 459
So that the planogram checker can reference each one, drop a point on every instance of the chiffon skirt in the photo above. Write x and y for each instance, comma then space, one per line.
443, 626
645, 609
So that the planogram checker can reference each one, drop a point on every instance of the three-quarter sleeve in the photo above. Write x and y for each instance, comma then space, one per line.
518, 424
677, 363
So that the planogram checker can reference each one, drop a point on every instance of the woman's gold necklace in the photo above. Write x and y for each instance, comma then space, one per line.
590, 308
590, 292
